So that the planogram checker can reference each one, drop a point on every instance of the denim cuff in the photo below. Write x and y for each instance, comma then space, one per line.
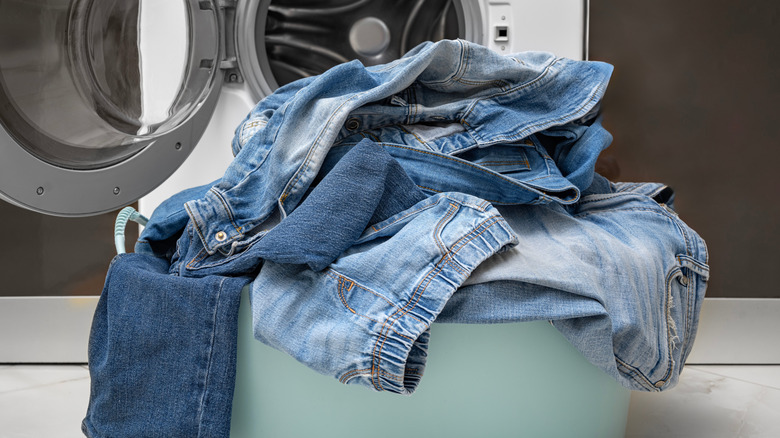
400, 346
365, 319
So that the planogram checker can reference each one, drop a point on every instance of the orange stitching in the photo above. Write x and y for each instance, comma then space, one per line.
199, 258
341, 294
227, 209
415, 136
343, 279
440, 226
386, 300
416, 296
366, 371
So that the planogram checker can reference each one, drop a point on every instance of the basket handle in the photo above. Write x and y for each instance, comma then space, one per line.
127, 214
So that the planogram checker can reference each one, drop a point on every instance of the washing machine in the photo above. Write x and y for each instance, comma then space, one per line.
105, 103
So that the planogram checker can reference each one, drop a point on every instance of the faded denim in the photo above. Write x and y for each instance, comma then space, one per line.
366, 318
619, 274
459, 92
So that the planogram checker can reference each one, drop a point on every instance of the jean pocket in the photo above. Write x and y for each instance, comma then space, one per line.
669, 338
503, 159
452, 210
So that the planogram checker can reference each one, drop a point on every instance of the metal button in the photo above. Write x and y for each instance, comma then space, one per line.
684, 280
353, 124
660, 384
221, 236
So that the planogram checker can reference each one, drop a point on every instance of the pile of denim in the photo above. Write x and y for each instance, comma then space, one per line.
453, 185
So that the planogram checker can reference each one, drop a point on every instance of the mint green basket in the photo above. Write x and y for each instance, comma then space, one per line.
491, 381
503, 380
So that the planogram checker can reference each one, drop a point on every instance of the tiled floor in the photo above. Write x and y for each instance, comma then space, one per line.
712, 402
43, 401
709, 402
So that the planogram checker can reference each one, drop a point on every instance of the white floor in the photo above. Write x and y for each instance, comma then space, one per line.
43, 401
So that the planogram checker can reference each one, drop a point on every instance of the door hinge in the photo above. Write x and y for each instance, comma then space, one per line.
226, 13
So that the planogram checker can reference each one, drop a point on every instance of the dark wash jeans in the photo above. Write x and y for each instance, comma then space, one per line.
162, 352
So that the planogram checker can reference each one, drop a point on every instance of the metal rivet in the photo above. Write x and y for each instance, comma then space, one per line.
221, 236
39, 191
116, 190
353, 124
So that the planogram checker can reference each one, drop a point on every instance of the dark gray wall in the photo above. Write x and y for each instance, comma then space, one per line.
693, 102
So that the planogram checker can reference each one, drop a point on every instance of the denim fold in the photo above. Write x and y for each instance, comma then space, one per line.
365, 319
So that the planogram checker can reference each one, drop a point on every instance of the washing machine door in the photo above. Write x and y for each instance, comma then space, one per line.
101, 100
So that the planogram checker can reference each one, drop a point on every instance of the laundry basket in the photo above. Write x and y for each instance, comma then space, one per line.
502, 380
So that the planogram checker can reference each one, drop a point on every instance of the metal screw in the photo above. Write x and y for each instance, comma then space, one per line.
116, 190
177, 145
39, 191
233, 77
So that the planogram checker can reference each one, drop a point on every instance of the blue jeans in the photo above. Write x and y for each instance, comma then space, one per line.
621, 276
366, 318
162, 352
369, 242
350, 267
163, 341
457, 97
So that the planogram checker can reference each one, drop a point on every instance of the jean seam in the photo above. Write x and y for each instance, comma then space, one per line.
344, 280
451, 211
462, 63
411, 213
524, 133
671, 333
209, 357
197, 259
635, 375
427, 280
422, 142
286, 191
228, 210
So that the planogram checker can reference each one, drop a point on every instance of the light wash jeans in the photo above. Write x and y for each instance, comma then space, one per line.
456, 96
620, 274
